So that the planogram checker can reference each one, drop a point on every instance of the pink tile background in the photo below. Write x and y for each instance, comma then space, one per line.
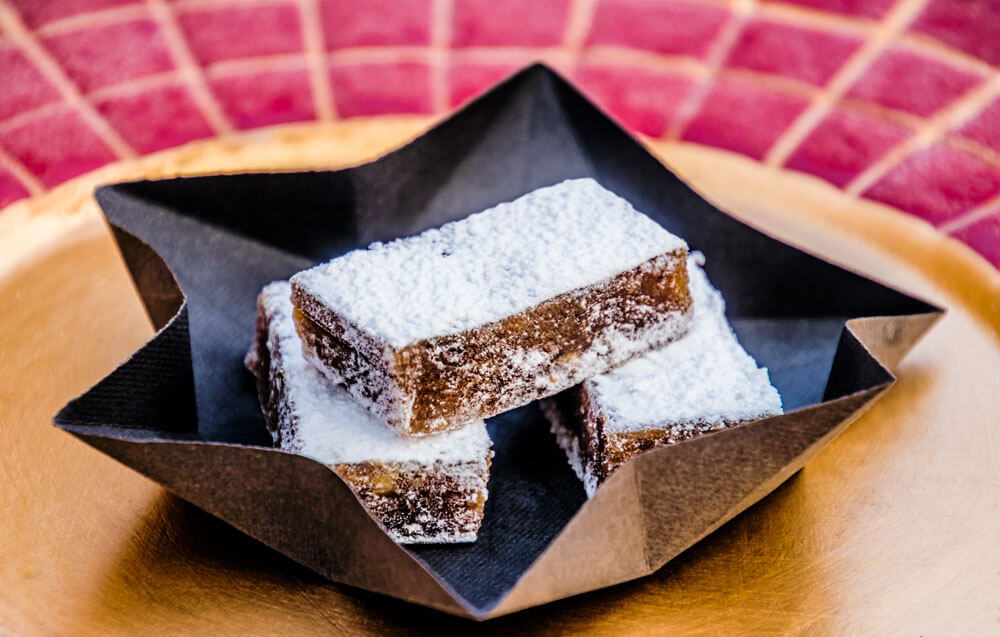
55, 146
914, 124
264, 98
808, 55
354, 23
951, 183
861, 8
845, 143
508, 22
23, 87
226, 33
159, 118
645, 101
743, 117
912, 82
376, 89
984, 237
110, 53
10, 188
677, 28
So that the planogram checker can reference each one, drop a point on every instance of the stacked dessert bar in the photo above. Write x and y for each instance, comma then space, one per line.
383, 363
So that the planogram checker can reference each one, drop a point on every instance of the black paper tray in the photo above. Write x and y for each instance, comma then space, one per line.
182, 410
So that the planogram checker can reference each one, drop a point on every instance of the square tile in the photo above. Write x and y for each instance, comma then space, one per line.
242, 31
913, 83
971, 26
509, 22
265, 98
56, 146
984, 127
111, 53
155, 119
23, 87
937, 184
861, 8
642, 100
10, 188
844, 144
467, 80
983, 236
35, 13
350, 23
743, 117
375, 89
672, 28
808, 55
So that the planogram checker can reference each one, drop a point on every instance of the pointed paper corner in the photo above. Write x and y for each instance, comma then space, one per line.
890, 338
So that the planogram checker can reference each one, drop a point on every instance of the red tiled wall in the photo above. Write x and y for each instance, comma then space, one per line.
809, 55
913, 83
55, 146
911, 120
159, 118
266, 97
226, 33
358, 23
111, 53
645, 101
845, 143
743, 117
10, 188
672, 28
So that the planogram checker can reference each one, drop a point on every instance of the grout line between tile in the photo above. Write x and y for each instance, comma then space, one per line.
315, 52
20, 36
441, 34
636, 58
239, 66
971, 147
379, 55
199, 5
779, 83
895, 22
41, 111
742, 11
92, 19
984, 210
891, 115
811, 18
132, 86
22, 174
578, 26
188, 67
507, 55
934, 130
941, 52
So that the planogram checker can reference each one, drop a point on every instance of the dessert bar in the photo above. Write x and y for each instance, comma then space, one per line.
430, 489
498, 309
701, 383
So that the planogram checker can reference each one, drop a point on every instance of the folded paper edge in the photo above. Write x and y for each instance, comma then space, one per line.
887, 340
397, 565
871, 332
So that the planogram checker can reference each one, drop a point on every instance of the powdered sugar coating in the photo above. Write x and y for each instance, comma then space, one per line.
705, 377
322, 421
488, 266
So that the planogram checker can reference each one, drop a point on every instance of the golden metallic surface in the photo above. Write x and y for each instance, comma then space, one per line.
894, 528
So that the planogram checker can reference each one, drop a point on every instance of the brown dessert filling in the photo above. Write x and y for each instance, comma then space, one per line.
414, 504
450, 380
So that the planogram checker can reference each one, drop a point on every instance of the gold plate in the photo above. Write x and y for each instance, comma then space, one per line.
895, 527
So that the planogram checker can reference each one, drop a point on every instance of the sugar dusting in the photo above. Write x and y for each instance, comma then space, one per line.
321, 420
488, 266
705, 377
